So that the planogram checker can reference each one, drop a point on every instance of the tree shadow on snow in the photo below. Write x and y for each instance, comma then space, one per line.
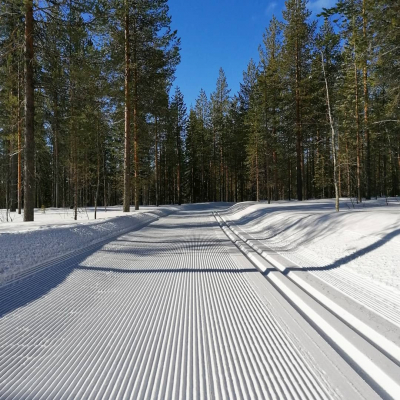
41, 284
347, 259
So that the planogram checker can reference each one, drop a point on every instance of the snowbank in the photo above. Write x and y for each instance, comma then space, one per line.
361, 242
24, 246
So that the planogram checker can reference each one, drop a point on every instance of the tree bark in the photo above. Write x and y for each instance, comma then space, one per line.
105, 180
13, 177
56, 167
348, 169
298, 130
75, 158
367, 133
398, 163
359, 198
257, 173
29, 153
333, 137
19, 185
178, 177
135, 117
98, 171
127, 154
156, 160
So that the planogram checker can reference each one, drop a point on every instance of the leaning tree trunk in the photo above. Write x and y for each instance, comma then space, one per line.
29, 152
333, 137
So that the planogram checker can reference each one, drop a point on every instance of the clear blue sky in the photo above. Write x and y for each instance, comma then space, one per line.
221, 33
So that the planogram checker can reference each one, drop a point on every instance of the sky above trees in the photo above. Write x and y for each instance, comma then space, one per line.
223, 33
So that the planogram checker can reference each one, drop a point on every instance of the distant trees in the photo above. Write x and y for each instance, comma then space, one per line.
179, 120
199, 149
318, 114
88, 115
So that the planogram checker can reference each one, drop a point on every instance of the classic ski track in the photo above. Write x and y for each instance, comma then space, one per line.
384, 302
148, 218
170, 333
242, 243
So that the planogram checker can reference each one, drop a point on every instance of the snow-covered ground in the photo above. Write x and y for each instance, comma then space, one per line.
55, 233
172, 311
178, 302
356, 250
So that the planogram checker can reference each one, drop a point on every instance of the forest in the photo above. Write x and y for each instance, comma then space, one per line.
90, 116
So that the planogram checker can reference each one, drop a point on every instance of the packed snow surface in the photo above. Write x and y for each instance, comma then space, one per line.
356, 250
54, 233
171, 311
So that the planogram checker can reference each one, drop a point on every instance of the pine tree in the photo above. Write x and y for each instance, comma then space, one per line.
219, 110
298, 32
252, 97
271, 85
178, 110
29, 152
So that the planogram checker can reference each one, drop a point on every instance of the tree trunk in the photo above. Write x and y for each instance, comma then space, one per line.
135, 118
156, 160
29, 153
367, 133
333, 137
214, 169
348, 169
398, 164
105, 180
290, 180
75, 158
127, 153
19, 146
178, 175
56, 167
227, 186
257, 173
298, 130
339, 166
359, 198
13, 176
98, 171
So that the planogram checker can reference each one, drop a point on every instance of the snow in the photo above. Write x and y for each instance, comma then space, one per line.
173, 310
163, 303
295, 287
359, 246
54, 233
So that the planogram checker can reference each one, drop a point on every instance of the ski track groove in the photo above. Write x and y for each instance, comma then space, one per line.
384, 302
99, 334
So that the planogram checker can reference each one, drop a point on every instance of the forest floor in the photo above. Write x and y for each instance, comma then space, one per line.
288, 300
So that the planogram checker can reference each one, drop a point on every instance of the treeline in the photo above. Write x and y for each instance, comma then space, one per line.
88, 115
273, 140
96, 76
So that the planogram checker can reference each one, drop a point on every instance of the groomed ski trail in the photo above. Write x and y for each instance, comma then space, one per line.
170, 311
